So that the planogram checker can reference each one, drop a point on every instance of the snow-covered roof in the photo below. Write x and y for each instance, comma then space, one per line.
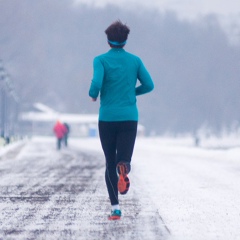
48, 114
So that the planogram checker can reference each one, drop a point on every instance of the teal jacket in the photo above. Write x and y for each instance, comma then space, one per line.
115, 76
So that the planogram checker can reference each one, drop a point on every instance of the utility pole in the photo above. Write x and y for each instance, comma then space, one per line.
7, 110
2, 77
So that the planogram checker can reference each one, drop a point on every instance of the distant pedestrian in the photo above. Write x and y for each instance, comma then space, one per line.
66, 135
197, 141
59, 130
115, 76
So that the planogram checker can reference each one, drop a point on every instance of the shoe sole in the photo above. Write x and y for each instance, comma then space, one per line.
114, 218
123, 181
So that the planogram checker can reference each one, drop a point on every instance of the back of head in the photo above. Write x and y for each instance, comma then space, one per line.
117, 34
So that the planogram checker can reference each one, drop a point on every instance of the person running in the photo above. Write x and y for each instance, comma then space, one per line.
66, 135
115, 76
60, 130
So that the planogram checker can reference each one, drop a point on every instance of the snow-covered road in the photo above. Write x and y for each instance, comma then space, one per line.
177, 192
49, 194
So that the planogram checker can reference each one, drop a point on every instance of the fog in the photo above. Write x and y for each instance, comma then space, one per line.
47, 48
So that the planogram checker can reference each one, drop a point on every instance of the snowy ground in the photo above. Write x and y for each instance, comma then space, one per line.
178, 191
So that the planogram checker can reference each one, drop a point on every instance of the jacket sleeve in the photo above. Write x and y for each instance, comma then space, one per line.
98, 74
146, 83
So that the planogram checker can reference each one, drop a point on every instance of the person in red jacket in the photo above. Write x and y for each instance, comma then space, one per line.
60, 130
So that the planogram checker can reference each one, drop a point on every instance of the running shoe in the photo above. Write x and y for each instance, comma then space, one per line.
123, 180
115, 215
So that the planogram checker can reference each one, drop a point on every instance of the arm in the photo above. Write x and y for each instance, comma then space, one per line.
146, 83
98, 74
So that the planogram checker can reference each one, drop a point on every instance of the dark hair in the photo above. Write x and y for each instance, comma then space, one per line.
117, 32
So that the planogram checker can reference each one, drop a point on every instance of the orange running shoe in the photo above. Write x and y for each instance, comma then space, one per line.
115, 215
123, 180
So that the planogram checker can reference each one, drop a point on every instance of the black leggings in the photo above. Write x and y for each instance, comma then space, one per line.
117, 139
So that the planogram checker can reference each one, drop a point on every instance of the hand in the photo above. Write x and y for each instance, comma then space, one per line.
94, 99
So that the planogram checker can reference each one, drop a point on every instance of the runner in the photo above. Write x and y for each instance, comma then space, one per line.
60, 130
115, 76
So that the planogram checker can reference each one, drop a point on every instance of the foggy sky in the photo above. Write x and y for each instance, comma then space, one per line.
227, 11
185, 8
48, 47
